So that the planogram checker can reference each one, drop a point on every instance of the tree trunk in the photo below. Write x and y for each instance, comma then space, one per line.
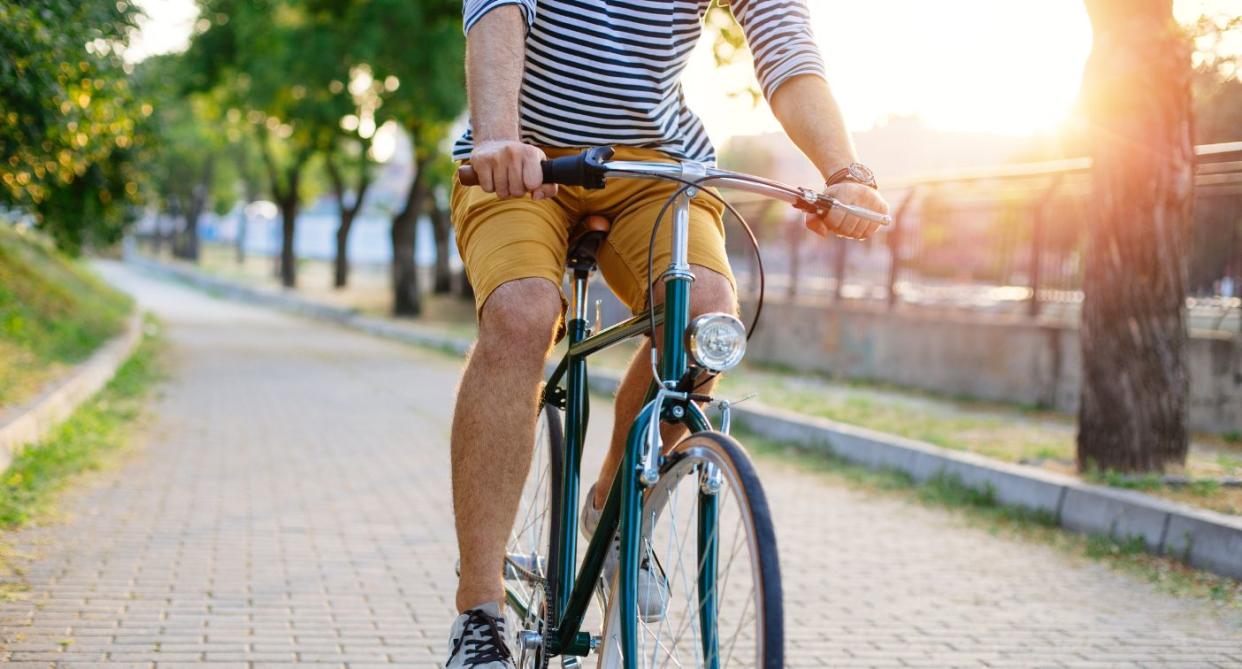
347, 213
288, 260
287, 196
157, 234
442, 228
240, 243
406, 298
1134, 383
199, 199
189, 243
340, 264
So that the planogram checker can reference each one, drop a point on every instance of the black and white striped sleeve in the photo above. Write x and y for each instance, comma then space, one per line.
779, 35
473, 10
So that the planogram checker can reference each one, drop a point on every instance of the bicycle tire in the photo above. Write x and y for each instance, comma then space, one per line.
536, 521
681, 470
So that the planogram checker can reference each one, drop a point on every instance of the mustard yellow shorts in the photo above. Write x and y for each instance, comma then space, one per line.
505, 240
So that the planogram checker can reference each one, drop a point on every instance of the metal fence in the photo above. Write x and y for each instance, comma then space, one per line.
1006, 240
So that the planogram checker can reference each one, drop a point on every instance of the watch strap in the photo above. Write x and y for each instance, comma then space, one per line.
846, 174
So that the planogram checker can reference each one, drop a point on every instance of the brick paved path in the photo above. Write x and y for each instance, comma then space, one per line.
289, 505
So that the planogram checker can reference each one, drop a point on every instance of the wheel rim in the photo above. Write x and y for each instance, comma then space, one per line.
670, 536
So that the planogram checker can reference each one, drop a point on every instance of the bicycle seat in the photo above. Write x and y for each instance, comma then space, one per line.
585, 239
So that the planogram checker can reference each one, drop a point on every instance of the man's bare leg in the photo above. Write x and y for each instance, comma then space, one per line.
494, 429
711, 292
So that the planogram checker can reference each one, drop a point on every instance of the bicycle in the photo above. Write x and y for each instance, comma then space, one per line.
704, 486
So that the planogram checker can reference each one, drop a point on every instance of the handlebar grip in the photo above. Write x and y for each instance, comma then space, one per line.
566, 170
556, 171
584, 169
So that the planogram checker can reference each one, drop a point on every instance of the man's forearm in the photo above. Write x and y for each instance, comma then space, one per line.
495, 53
806, 109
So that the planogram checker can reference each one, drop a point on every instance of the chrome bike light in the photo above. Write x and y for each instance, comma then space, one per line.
717, 341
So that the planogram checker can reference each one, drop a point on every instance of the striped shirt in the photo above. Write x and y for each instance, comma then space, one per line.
608, 71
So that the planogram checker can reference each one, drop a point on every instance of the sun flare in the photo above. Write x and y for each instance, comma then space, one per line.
1000, 66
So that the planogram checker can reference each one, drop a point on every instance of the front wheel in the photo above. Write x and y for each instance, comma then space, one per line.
528, 566
707, 529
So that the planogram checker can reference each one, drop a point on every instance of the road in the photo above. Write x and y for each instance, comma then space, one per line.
288, 502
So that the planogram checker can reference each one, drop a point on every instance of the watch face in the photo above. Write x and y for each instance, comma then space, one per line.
861, 173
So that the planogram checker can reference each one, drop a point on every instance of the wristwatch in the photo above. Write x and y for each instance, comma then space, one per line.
854, 173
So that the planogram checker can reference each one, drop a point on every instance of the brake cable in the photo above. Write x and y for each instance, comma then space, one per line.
754, 241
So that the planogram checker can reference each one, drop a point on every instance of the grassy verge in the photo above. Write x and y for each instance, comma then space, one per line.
981, 509
1003, 432
53, 313
83, 442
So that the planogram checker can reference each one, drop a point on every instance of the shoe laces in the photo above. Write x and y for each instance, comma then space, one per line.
483, 639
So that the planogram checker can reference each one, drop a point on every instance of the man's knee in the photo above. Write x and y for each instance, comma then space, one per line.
712, 291
521, 317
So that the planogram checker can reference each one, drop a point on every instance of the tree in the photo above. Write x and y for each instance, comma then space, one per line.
355, 142
186, 167
1135, 387
431, 97
347, 210
67, 116
275, 62
439, 175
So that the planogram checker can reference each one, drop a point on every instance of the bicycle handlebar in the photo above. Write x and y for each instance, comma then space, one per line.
591, 168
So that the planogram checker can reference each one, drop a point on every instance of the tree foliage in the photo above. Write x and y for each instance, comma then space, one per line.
67, 115
1218, 79
186, 142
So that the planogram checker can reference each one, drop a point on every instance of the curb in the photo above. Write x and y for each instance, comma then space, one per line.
36, 419
1203, 539
292, 303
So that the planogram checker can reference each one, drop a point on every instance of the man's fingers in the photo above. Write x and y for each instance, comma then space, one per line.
532, 172
815, 224
854, 227
517, 180
872, 226
836, 220
486, 182
500, 177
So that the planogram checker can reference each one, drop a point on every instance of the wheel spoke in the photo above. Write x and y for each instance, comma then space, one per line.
671, 540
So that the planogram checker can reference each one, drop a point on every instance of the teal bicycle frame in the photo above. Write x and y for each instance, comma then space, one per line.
569, 592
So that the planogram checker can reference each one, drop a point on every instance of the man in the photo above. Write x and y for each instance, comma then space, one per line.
545, 78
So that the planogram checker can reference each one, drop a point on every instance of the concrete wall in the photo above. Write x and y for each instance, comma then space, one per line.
1010, 360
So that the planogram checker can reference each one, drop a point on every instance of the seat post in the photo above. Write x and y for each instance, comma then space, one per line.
580, 288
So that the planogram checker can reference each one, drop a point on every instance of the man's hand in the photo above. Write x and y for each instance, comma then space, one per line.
840, 222
510, 169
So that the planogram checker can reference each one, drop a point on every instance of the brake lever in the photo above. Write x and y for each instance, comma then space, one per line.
820, 204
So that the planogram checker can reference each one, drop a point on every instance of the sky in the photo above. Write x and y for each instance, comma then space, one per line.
1002, 66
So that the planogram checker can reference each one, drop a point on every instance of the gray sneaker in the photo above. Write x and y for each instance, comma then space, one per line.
478, 640
653, 594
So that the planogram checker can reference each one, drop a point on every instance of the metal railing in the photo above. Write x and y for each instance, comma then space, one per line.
1004, 240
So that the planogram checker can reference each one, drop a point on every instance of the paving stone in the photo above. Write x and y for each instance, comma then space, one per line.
288, 503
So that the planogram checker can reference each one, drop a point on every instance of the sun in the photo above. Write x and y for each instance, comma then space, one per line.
1009, 66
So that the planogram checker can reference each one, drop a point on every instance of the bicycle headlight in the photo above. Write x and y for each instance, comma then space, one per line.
717, 341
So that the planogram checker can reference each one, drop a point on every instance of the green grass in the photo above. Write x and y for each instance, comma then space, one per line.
999, 431
82, 443
980, 508
53, 313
